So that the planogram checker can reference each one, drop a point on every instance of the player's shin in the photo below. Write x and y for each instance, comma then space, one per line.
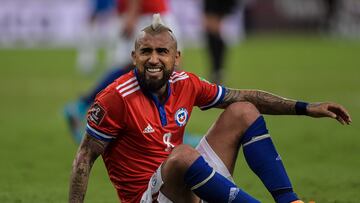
263, 159
213, 187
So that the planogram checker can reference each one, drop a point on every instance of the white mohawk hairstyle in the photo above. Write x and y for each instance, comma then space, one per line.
156, 22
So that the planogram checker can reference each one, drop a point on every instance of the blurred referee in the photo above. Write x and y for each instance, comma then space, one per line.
215, 11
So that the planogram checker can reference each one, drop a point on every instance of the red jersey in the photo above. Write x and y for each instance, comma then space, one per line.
146, 6
142, 131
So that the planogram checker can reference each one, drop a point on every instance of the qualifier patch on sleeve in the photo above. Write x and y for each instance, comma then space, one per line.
96, 114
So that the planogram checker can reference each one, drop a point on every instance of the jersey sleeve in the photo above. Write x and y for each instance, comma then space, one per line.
208, 94
105, 118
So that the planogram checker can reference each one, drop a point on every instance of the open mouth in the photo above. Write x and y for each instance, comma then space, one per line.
153, 70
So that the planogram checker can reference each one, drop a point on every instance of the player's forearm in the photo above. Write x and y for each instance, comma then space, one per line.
265, 102
89, 150
79, 178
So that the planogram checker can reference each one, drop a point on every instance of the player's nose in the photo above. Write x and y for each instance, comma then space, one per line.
154, 58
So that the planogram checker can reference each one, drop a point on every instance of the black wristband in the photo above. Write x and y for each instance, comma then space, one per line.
300, 108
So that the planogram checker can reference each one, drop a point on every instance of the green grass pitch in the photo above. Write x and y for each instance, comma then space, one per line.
321, 156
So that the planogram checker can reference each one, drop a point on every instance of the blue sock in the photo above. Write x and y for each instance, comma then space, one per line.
213, 187
262, 158
104, 82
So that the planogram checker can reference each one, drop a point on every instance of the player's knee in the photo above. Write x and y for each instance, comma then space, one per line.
182, 157
245, 112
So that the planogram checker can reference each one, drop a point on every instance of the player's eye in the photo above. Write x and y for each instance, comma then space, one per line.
145, 50
162, 50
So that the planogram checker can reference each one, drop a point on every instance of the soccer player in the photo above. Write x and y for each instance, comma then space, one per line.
136, 124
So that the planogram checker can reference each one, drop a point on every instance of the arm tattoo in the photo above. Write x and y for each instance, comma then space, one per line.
265, 102
88, 151
230, 97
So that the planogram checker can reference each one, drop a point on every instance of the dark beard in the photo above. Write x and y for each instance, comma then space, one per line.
154, 85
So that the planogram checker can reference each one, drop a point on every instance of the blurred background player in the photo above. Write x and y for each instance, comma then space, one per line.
100, 31
133, 15
214, 12
331, 9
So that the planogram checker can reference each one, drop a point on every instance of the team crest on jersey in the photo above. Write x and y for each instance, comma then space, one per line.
181, 117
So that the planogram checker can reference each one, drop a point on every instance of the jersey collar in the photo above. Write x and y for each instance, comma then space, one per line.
159, 106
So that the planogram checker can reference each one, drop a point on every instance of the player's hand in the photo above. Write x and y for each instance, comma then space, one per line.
329, 109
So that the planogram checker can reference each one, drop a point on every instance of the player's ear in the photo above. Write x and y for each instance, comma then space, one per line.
133, 58
177, 58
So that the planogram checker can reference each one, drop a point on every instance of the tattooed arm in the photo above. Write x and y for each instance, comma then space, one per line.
89, 149
265, 102
268, 103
